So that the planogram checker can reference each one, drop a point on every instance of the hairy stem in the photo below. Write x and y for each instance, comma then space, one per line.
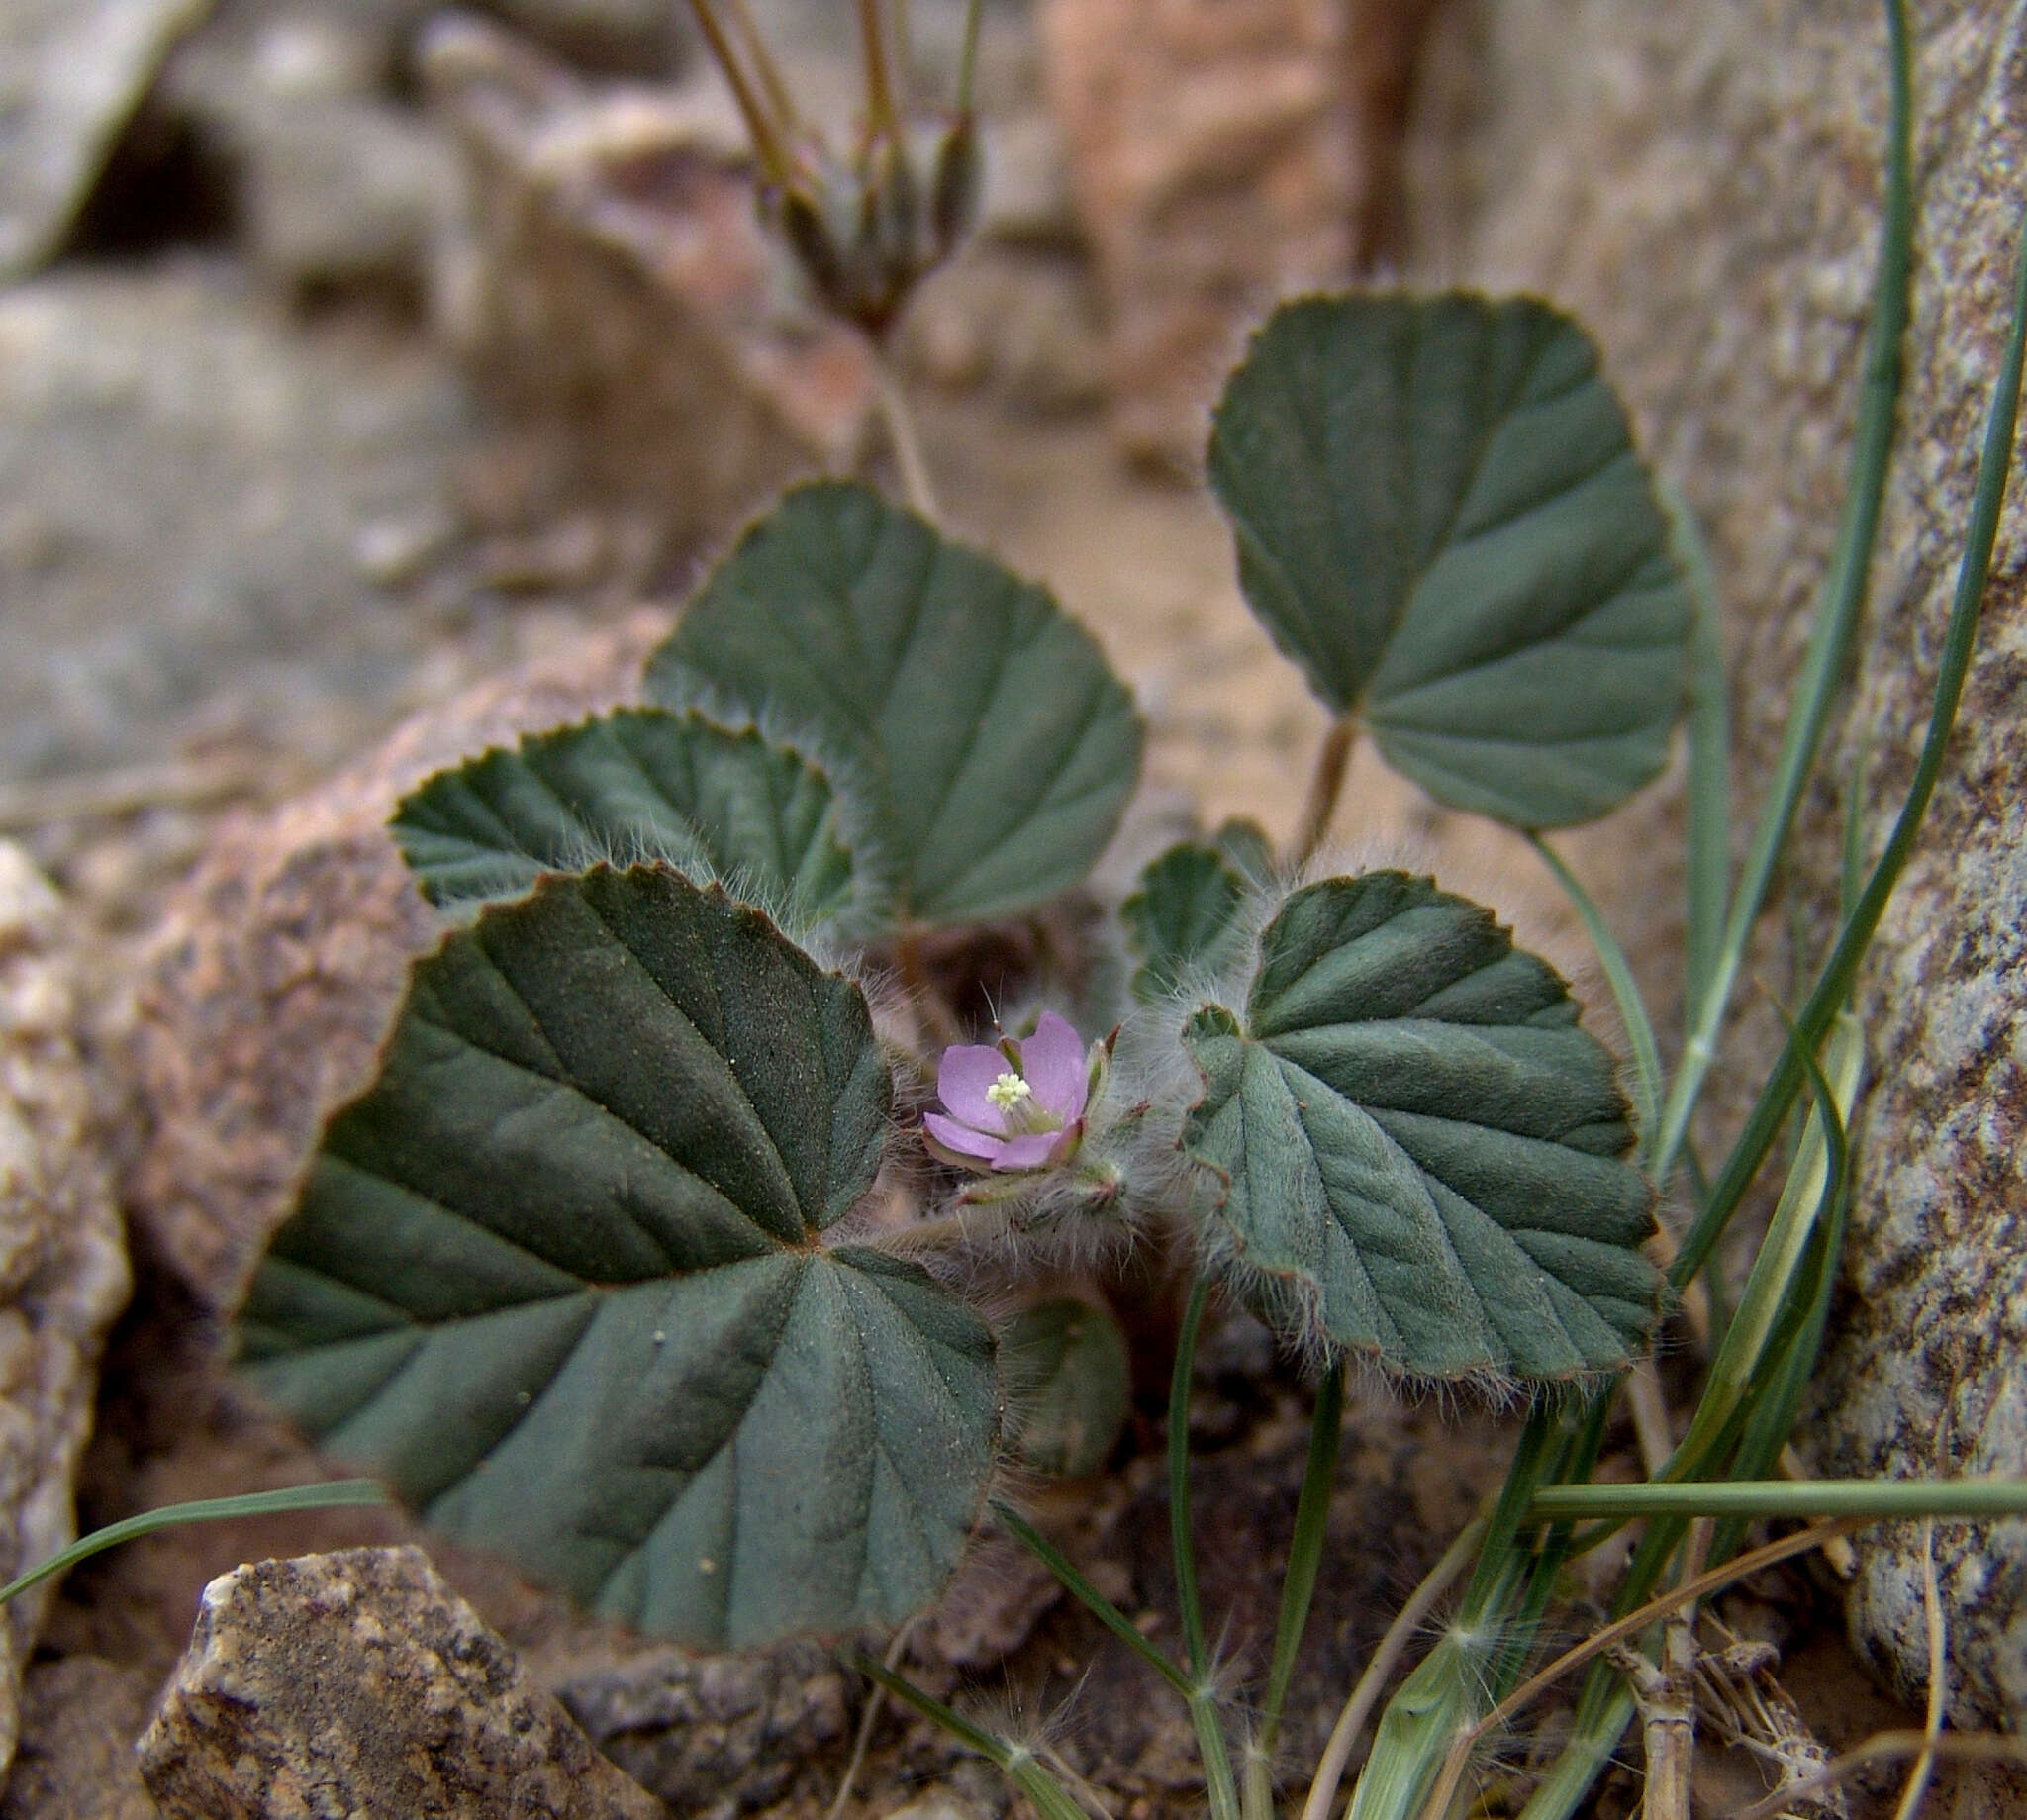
1326, 783
900, 432
1218, 1777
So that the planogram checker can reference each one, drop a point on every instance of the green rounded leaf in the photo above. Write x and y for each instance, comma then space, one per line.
642, 784
1421, 1150
1001, 748
559, 1276
1440, 516
1069, 1387
1186, 918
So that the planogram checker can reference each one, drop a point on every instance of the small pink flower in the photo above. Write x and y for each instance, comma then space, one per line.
1017, 1105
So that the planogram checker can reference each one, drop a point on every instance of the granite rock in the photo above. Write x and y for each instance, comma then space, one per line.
358, 1682
63, 1261
618, 302
264, 994
71, 73
1701, 183
79, 1718
1211, 156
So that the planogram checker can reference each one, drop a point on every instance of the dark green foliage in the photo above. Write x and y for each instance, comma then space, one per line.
561, 1277
1419, 1147
997, 745
1440, 516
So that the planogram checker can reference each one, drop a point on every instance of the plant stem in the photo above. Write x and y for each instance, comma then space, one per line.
1843, 598
967, 67
1298, 1586
331, 1496
1326, 782
867, 1720
900, 432
767, 146
1218, 1777
1868, 1501
1625, 993
880, 111
1351, 1722
778, 97
1094, 1601
1833, 988
1051, 1800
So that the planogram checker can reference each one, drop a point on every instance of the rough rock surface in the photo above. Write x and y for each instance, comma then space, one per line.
182, 484
359, 1683
71, 71
303, 922
619, 292
1211, 156
79, 1718
1701, 183
62, 1262
335, 183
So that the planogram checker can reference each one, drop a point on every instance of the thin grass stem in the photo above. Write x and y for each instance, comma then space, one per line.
1842, 599
333, 1494
1358, 1708
1217, 1776
1867, 1500
1094, 1601
1625, 994
1051, 1799
1298, 1584
1708, 787
1833, 987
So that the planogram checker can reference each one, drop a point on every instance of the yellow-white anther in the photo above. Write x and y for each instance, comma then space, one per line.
1008, 1091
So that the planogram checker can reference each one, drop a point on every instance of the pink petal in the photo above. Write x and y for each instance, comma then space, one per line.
1056, 1067
963, 1139
961, 1082
1029, 1152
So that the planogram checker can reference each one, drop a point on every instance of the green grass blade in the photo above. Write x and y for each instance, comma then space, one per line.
1094, 1601
1815, 1181
1842, 599
1593, 1739
1049, 1796
331, 1496
1834, 985
1790, 1498
1625, 993
1298, 1583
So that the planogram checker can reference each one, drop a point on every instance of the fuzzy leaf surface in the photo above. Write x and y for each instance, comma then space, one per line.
1000, 745
558, 1276
1187, 916
1421, 1148
1070, 1386
1439, 515
642, 784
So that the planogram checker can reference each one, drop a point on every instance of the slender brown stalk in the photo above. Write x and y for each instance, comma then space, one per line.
1670, 1730
767, 144
1917, 1792
1887, 1746
1741, 1567
769, 72
900, 433
938, 1024
1334, 758
880, 111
